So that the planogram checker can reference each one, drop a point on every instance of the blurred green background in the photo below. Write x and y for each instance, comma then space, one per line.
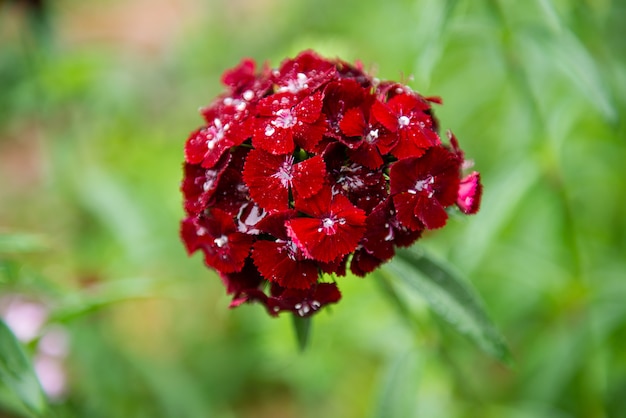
97, 100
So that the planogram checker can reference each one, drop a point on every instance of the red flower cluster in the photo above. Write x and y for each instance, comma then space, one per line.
309, 168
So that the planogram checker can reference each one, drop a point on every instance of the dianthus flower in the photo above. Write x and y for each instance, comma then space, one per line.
302, 172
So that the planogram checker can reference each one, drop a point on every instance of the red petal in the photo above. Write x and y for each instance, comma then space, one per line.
469, 195
430, 212
246, 279
308, 176
309, 135
366, 155
261, 174
406, 103
276, 263
271, 138
407, 148
309, 109
363, 263
405, 211
333, 234
202, 147
241, 74
384, 115
353, 122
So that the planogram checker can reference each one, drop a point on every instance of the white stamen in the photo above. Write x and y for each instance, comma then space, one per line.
371, 136
221, 241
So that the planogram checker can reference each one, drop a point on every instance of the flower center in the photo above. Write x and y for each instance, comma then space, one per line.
329, 225
424, 185
284, 119
285, 172
221, 241
372, 136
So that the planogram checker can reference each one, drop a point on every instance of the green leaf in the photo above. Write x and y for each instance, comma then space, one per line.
302, 330
452, 298
19, 387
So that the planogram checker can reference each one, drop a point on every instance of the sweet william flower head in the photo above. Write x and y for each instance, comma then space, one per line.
312, 169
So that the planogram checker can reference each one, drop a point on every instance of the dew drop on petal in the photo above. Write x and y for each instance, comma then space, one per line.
248, 95
403, 121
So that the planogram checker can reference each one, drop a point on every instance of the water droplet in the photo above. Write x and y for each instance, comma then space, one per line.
248, 95
269, 130
403, 121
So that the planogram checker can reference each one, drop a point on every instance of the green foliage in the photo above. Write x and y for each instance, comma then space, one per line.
19, 388
94, 111
451, 298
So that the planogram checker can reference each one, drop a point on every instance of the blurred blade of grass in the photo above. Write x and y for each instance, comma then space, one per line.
19, 387
115, 206
429, 37
87, 301
450, 297
568, 58
399, 386
500, 202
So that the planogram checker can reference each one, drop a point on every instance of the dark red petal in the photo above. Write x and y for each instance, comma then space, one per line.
242, 74
308, 176
274, 224
232, 256
189, 235
367, 155
404, 174
363, 263
470, 192
232, 193
430, 212
353, 122
337, 267
280, 263
204, 148
246, 279
199, 184
268, 178
303, 302
405, 211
